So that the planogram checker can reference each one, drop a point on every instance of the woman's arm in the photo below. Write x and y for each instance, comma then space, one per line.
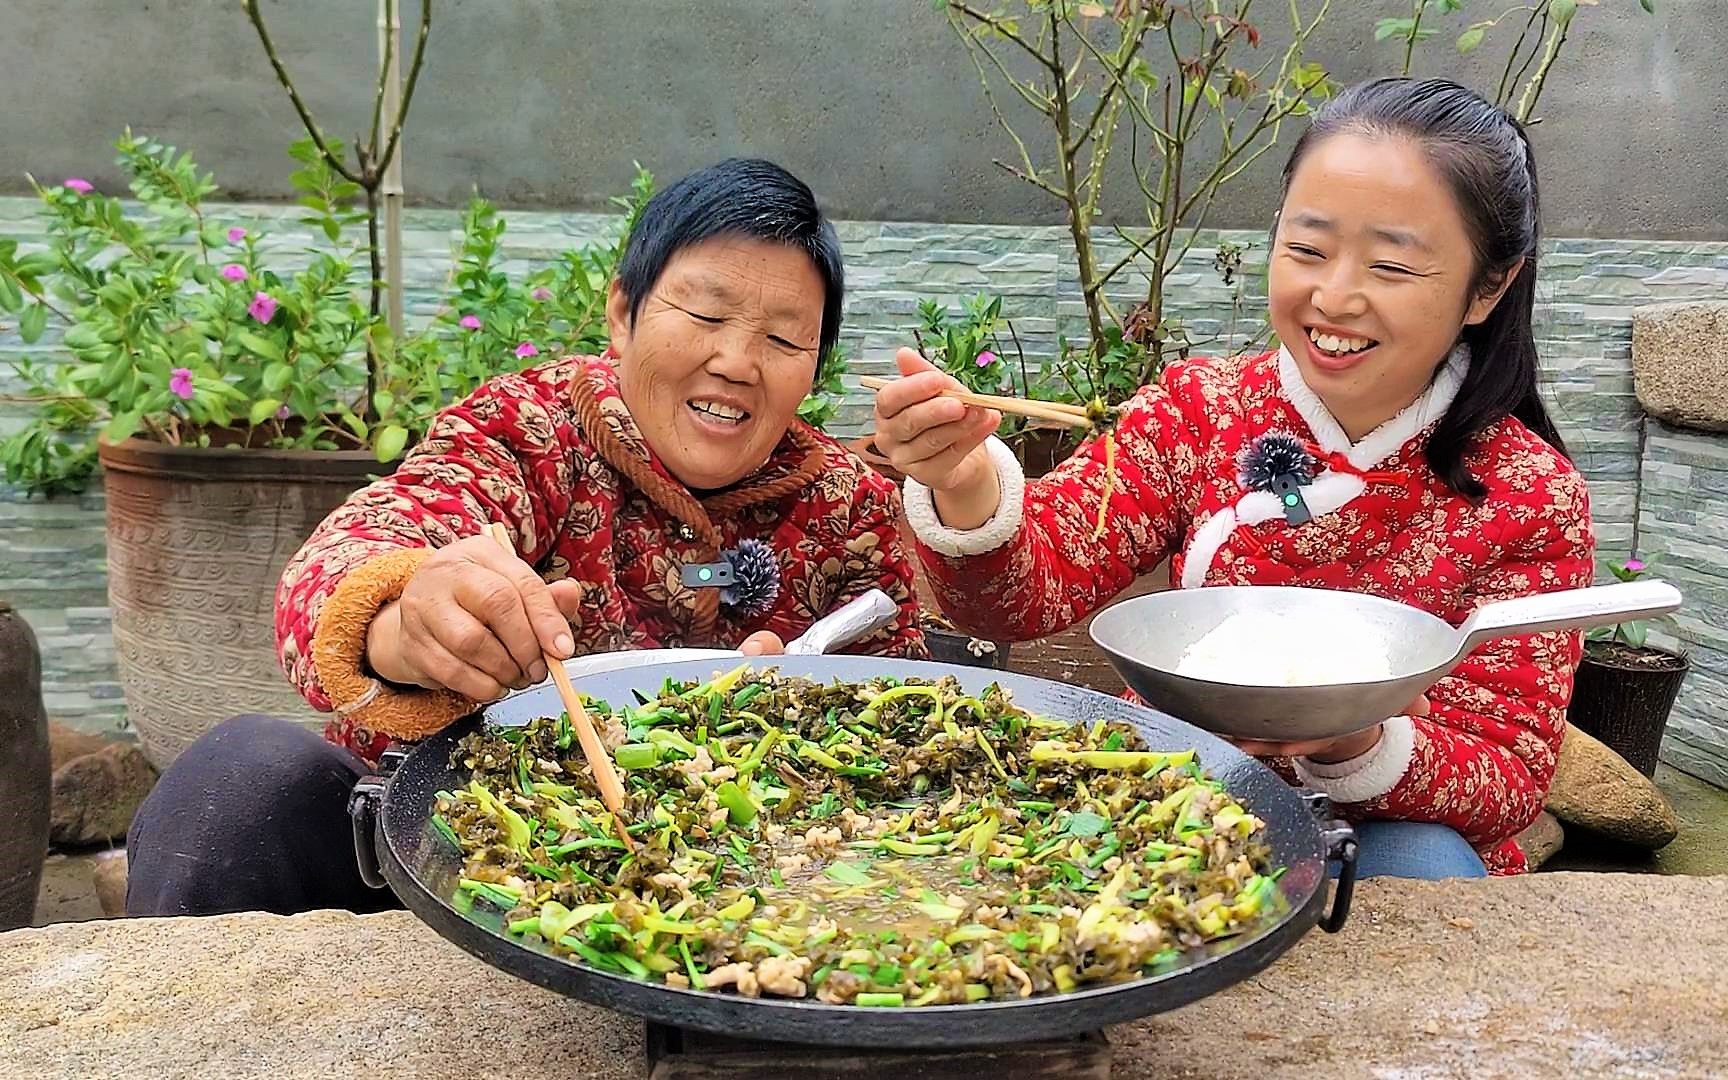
505, 454
1039, 565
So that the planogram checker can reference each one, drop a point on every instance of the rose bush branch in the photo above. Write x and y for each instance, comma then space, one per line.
1545, 27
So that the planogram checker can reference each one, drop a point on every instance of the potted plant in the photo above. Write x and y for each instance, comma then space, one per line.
234, 390
968, 345
1626, 687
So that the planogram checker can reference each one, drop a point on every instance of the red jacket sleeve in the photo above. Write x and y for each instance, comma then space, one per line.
1041, 565
505, 454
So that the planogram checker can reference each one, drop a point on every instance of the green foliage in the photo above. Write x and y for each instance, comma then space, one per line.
187, 333
828, 389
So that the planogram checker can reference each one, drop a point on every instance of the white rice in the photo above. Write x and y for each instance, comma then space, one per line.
1278, 649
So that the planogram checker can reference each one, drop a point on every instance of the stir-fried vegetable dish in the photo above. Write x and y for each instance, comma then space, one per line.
882, 843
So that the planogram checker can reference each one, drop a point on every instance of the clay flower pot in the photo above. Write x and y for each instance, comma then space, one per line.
197, 539
24, 770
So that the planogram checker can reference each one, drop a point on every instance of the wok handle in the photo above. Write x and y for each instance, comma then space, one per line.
859, 618
1341, 844
363, 813
1571, 609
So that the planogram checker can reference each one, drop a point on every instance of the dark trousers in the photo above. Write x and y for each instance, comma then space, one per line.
251, 817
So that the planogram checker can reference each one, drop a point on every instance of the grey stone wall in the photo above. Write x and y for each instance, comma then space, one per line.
1683, 528
51, 552
544, 103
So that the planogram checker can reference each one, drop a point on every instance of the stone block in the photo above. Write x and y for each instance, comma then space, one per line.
98, 785
1594, 788
1680, 363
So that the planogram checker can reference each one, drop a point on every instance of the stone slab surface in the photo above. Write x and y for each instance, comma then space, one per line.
1555, 975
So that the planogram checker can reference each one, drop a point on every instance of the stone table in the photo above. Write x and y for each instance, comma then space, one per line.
1563, 975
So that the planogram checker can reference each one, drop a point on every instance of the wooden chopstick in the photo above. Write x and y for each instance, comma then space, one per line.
1057, 411
593, 750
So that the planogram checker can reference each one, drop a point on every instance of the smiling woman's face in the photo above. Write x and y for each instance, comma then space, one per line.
1370, 280
721, 353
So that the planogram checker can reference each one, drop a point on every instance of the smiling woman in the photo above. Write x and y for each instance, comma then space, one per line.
720, 353
1417, 463
621, 478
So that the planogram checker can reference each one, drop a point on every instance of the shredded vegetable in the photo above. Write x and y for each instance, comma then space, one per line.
891, 843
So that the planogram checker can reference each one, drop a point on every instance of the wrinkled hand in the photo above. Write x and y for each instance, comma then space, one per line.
1327, 751
935, 440
474, 619
762, 643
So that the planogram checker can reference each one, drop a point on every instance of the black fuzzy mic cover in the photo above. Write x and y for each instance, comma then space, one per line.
755, 579
1271, 456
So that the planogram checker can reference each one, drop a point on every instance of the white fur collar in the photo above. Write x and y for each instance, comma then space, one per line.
1388, 438
1331, 490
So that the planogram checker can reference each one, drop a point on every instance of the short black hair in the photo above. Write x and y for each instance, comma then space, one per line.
745, 197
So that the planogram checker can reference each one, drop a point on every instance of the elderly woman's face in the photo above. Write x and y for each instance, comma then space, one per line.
722, 352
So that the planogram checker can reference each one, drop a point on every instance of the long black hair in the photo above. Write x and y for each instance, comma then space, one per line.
1484, 156
736, 197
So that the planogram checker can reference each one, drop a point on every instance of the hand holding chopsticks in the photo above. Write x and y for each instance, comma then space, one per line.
1054, 411
593, 750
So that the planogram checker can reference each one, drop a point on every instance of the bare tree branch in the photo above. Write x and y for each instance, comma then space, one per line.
1002, 29
306, 120
414, 66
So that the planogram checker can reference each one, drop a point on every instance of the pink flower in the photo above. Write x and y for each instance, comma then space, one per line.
236, 234
284, 413
986, 358
82, 187
470, 322
234, 272
1635, 566
525, 350
180, 383
263, 307
542, 293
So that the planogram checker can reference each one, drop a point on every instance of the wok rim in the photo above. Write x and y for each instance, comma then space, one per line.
398, 833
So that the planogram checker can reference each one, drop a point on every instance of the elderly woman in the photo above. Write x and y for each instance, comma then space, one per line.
618, 478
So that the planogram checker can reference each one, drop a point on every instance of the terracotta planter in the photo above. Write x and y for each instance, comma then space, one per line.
197, 539
1623, 696
24, 770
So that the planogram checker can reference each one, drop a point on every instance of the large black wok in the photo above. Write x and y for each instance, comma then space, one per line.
392, 835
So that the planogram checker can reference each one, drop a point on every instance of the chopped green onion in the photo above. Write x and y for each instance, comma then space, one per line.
880, 1001
441, 825
739, 809
846, 873
637, 756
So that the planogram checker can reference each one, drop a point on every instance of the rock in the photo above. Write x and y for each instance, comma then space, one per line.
1594, 788
66, 743
109, 874
96, 794
1542, 840
1680, 363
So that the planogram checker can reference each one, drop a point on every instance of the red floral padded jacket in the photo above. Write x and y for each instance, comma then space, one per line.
1482, 761
550, 453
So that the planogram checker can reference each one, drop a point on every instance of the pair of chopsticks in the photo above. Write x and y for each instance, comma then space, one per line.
593, 750
1072, 415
